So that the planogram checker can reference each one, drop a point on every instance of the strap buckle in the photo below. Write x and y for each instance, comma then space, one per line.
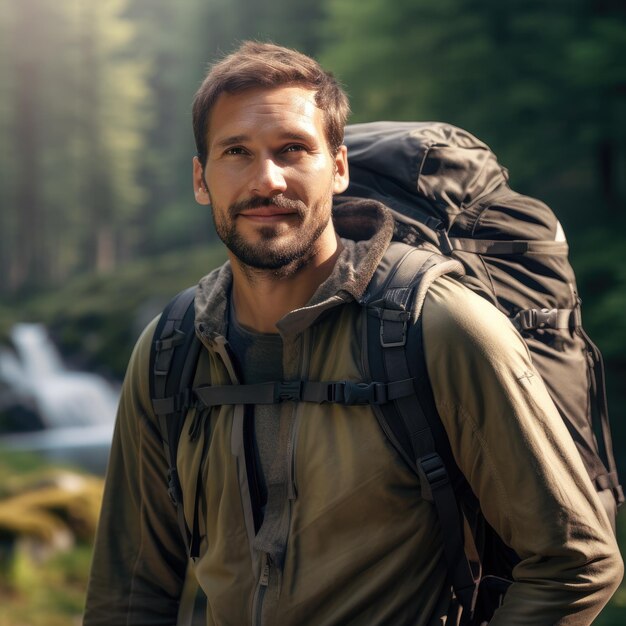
392, 338
433, 474
530, 319
350, 393
164, 349
167, 343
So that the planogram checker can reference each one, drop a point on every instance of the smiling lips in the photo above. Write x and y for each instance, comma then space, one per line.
267, 213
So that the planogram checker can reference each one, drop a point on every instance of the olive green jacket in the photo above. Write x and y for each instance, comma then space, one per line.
347, 537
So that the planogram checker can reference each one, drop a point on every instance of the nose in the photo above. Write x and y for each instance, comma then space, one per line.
268, 178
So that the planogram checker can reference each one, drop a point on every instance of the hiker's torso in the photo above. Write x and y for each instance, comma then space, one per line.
348, 536
345, 536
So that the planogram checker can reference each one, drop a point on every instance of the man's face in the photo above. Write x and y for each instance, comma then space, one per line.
270, 177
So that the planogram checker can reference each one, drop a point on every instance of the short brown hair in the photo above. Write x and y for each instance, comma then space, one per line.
267, 65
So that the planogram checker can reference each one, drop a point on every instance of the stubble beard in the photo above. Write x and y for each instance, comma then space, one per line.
273, 252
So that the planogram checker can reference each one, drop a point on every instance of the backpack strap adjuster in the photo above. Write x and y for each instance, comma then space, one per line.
433, 474
351, 393
393, 329
167, 343
533, 319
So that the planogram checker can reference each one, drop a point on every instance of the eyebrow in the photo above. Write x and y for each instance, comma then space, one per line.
229, 141
234, 139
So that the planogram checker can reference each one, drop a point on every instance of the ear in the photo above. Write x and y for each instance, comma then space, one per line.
199, 186
342, 175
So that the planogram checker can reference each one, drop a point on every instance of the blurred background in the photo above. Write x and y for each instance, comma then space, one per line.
99, 228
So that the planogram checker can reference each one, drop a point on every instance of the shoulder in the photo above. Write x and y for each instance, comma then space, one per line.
472, 350
456, 319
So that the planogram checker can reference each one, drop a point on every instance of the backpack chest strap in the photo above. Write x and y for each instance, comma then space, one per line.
335, 392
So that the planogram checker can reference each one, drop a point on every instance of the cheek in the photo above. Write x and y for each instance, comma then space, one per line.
221, 185
314, 182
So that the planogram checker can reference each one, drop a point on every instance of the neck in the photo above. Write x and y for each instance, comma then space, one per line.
263, 297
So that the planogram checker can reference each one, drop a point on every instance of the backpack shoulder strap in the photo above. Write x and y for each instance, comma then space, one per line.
393, 305
173, 359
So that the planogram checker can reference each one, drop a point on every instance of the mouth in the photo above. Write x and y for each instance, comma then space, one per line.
269, 213
267, 210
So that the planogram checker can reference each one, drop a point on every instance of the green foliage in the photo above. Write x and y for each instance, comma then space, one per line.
601, 275
49, 595
597, 257
16, 469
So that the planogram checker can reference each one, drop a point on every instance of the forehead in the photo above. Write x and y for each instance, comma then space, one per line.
257, 113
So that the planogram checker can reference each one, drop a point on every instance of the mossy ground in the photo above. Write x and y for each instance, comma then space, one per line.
42, 585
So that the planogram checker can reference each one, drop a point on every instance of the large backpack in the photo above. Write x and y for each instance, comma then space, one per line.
454, 213
446, 187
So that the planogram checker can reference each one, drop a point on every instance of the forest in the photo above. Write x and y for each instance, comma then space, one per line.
95, 109
98, 224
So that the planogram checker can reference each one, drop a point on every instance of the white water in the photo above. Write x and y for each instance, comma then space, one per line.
64, 398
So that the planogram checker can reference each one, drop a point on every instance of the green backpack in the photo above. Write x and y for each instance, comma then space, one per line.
454, 214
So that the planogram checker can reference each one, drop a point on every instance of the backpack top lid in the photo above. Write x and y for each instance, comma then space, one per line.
431, 167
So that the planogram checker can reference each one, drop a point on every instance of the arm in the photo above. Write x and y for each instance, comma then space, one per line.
139, 558
511, 444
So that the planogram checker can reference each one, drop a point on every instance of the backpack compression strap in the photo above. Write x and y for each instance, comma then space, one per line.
394, 301
600, 415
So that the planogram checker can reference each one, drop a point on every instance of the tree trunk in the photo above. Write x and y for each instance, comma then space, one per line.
29, 227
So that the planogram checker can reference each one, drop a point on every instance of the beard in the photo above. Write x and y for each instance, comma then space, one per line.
282, 253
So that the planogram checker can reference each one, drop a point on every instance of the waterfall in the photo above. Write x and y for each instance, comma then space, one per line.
63, 397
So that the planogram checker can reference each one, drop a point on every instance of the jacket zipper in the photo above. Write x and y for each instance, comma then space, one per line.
259, 595
266, 563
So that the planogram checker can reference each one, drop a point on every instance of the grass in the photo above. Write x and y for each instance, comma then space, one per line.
46, 594
42, 585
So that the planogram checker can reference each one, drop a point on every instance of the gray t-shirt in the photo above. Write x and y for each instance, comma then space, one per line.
260, 357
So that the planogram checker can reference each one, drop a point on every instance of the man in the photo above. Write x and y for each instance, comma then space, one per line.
304, 512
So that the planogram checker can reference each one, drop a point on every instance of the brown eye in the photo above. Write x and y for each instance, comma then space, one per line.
235, 150
294, 148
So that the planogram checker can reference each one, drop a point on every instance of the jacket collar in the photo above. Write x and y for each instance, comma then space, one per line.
366, 228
